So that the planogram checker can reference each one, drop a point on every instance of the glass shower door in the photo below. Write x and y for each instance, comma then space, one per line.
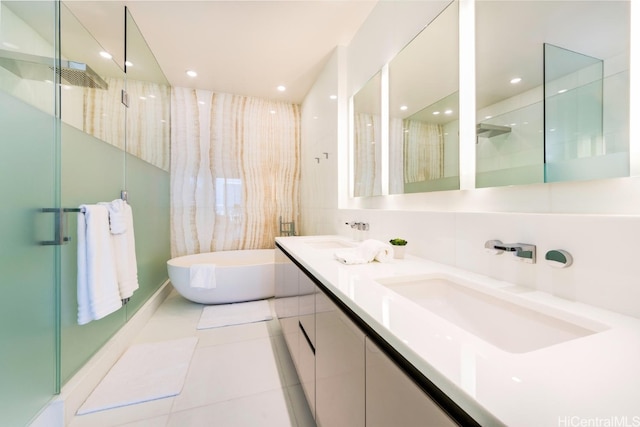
29, 183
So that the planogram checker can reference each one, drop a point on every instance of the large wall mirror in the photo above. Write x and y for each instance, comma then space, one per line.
423, 110
552, 91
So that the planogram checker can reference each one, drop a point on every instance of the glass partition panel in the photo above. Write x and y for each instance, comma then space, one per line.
575, 144
92, 86
147, 164
29, 333
423, 110
513, 140
93, 171
148, 116
367, 139
148, 188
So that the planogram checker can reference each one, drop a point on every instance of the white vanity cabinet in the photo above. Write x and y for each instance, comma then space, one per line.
307, 338
340, 370
295, 307
347, 380
286, 301
393, 399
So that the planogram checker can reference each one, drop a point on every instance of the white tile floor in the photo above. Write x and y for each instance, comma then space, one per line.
239, 376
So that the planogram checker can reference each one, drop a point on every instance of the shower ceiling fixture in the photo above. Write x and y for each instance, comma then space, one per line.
40, 68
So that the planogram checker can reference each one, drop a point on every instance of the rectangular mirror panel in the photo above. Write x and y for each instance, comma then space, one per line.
423, 109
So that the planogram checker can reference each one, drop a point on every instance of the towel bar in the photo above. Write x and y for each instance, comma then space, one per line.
59, 223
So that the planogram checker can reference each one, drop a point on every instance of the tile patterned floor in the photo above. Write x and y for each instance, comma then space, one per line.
239, 376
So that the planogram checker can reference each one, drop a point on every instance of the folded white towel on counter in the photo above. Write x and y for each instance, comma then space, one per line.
376, 250
117, 215
202, 276
97, 284
366, 252
349, 256
125, 251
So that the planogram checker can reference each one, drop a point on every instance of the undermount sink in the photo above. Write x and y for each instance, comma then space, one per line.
507, 325
328, 244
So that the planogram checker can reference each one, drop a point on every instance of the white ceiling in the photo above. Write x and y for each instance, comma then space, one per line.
240, 47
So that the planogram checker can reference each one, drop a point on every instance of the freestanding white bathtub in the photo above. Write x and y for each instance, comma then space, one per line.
244, 275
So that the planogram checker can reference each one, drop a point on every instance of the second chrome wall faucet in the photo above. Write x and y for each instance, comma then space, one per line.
524, 252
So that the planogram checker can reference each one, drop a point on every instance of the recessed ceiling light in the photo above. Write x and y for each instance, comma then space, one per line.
191, 73
515, 80
152, 96
562, 90
281, 88
128, 63
403, 107
435, 113
143, 98
201, 102
315, 117
448, 111
487, 117
333, 96
106, 55
272, 111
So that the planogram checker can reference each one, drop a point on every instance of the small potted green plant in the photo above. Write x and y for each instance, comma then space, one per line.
398, 247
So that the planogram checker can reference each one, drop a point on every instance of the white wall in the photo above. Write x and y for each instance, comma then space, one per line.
597, 221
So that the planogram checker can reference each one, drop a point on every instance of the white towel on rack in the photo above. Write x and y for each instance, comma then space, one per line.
125, 250
97, 285
117, 216
366, 252
202, 276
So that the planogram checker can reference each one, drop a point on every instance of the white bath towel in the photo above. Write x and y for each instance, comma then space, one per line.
376, 250
117, 216
366, 252
125, 250
202, 276
350, 256
97, 286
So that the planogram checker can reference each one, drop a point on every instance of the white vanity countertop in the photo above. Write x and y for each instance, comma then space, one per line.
595, 378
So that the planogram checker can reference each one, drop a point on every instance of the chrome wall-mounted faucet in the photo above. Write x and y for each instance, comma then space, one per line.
524, 252
361, 226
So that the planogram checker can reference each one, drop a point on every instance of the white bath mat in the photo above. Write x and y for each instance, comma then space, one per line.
144, 372
215, 316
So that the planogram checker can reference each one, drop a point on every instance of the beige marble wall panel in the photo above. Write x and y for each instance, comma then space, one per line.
235, 170
423, 151
143, 129
103, 113
367, 167
148, 122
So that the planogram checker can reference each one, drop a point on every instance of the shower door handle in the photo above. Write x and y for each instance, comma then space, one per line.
59, 221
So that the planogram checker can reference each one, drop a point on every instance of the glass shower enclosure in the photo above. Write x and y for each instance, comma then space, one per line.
66, 139
30, 188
